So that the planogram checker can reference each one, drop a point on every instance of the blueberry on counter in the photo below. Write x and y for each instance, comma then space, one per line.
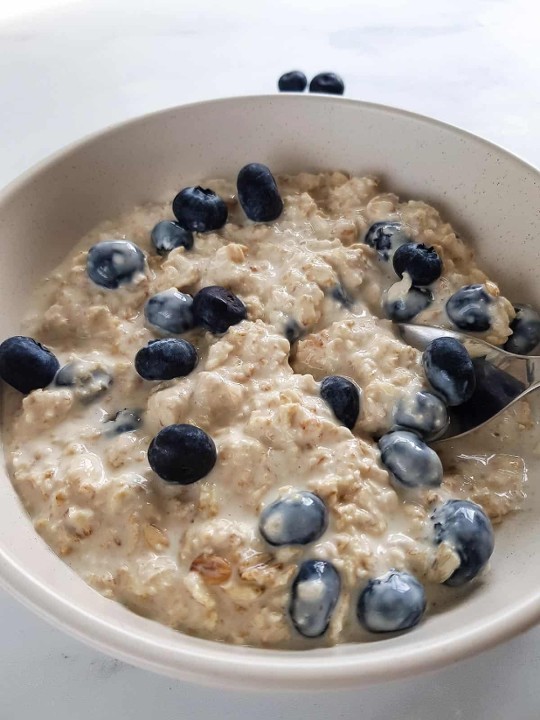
408, 459
87, 381
170, 312
343, 397
468, 308
403, 309
467, 529
423, 413
327, 82
297, 519
215, 308
113, 263
293, 81
385, 238
258, 193
182, 454
126, 420
314, 595
525, 331
449, 370
168, 235
26, 365
166, 359
396, 601
422, 263
199, 210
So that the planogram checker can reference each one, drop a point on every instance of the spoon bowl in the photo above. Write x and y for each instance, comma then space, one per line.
502, 378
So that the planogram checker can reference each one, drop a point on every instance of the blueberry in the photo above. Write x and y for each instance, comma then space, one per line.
341, 296
182, 454
258, 193
343, 397
166, 359
403, 309
170, 312
314, 595
293, 81
216, 309
420, 262
450, 370
199, 210
327, 82
292, 330
525, 331
113, 263
298, 519
168, 235
385, 237
26, 365
88, 381
467, 529
468, 308
126, 420
396, 601
494, 390
423, 413
409, 460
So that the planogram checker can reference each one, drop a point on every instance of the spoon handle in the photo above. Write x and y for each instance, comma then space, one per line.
525, 368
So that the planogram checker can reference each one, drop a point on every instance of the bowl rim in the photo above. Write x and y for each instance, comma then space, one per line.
217, 664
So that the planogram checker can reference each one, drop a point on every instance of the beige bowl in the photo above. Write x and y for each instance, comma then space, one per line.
489, 195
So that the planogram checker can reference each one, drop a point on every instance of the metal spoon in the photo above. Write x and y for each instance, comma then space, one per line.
503, 378
441, 442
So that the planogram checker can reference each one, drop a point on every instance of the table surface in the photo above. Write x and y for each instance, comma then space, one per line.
71, 67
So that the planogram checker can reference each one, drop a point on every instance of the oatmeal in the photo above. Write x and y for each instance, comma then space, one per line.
224, 432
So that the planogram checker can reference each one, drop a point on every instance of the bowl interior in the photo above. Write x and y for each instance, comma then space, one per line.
490, 197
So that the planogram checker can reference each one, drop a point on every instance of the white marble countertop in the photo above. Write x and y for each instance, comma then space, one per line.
70, 67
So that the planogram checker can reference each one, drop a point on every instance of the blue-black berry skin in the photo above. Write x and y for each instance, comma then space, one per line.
410, 462
525, 328
166, 359
340, 295
124, 421
170, 312
449, 370
464, 526
292, 330
27, 365
258, 193
404, 309
293, 81
215, 308
311, 612
182, 454
421, 263
297, 519
386, 237
168, 235
343, 397
422, 413
328, 83
391, 603
199, 209
113, 263
469, 308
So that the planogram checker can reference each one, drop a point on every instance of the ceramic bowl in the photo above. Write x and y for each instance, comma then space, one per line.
489, 195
